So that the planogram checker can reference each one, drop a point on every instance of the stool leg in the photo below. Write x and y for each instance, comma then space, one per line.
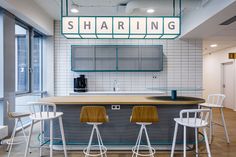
206, 141
211, 125
184, 141
90, 141
137, 142
101, 140
196, 139
40, 142
9, 147
224, 124
99, 143
23, 130
148, 142
174, 140
63, 136
51, 138
29, 139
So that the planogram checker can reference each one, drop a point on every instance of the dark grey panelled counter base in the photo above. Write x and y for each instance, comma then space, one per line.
119, 131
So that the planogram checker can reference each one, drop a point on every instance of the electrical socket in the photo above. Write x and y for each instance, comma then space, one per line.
154, 76
115, 107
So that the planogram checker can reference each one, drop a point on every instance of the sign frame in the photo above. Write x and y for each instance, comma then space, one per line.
67, 35
65, 13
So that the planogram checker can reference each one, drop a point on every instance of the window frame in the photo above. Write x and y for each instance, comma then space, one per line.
33, 31
28, 59
30, 76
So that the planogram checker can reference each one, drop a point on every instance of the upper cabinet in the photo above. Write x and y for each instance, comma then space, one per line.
105, 58
128, 58
116, 58
82, 58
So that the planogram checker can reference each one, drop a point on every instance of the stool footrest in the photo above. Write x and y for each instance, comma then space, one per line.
151, 153
103, 148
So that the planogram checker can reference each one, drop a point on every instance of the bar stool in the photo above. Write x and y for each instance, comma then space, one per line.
215, 101
42, 111
193, 118
94, 115
17, 116
143, 115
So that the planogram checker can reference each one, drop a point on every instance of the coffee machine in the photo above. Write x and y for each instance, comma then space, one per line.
80, 84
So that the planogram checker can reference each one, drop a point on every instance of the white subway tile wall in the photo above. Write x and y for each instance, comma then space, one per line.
182, 67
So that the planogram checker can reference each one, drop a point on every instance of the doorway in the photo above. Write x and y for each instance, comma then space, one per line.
228, 84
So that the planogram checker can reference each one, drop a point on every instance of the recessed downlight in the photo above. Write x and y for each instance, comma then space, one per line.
213, 45
74, 8
150, 11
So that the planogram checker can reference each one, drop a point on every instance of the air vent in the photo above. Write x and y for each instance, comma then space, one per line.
229, 21
123, 4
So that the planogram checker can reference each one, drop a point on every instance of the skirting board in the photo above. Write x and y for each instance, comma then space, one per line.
123, 147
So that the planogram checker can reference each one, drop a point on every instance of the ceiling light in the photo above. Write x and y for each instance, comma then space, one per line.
74, 8
213, 45
150, 11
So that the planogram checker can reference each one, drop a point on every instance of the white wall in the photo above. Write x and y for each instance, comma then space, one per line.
31, 13
212, 71
48, 65
182, 66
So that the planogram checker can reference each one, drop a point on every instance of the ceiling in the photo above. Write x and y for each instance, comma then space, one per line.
116, 7
213, 33
209, 31
51, 7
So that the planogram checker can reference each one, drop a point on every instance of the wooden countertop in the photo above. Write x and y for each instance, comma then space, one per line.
121, 100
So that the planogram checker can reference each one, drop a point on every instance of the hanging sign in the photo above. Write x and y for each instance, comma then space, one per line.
121, 27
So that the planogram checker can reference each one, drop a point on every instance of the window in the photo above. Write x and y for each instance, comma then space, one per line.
36, 61
28, 67
28, 59
22, 59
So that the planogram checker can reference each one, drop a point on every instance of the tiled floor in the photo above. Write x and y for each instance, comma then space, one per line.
219, 146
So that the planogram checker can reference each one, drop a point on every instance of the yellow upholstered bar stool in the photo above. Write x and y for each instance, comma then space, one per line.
94, 115
143, 115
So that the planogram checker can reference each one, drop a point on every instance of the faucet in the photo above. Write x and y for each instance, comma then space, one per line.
115, 86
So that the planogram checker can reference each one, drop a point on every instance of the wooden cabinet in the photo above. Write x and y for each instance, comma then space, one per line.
114, 58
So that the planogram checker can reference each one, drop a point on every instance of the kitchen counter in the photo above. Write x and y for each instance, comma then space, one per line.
150, 93
119, 133
122, 100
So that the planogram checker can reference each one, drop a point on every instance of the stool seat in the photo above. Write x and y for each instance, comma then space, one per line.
195, 119
45, 115
18, 114
144, 114
44, 111
210, 105
215, 101
191, 122
93, 114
